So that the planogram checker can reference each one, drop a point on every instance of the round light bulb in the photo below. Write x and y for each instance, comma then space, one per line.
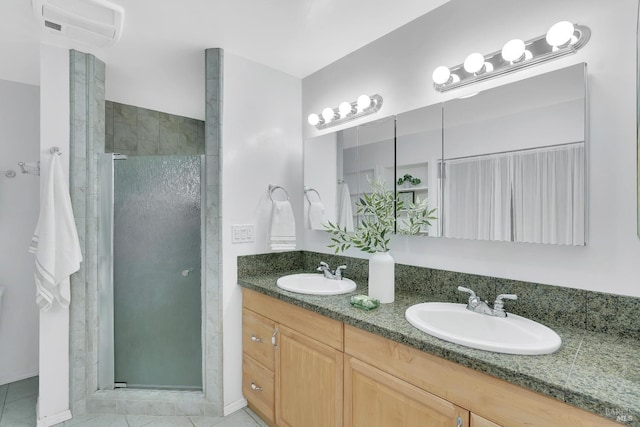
513, 51
474, 63
344, 108
441, 75
560, 34
313, 119
364, 101
328, 114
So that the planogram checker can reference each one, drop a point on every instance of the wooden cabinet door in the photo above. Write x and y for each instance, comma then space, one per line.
308, 382
373, 398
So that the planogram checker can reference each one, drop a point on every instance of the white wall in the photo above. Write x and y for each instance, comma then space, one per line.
172, 84
19, 201
398, 67
53, 393
261, 145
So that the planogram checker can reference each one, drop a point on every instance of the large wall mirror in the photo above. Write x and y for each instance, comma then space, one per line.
507, 164
418, 159
515, 161
338, 169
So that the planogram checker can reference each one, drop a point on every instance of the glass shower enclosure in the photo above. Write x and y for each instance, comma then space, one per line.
149, 258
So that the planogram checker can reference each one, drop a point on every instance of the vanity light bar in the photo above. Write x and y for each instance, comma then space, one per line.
563, 38
346, 111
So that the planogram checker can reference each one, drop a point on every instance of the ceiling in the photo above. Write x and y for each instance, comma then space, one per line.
297, 37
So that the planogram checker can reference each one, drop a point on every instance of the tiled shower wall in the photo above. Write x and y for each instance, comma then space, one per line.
212, 231
138, 131
175, 135
87, 82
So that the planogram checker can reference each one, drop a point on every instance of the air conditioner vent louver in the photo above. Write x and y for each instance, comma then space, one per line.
53, 25
95, 22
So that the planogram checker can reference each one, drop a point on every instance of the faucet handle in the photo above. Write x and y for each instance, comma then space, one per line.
474, 300
338, 272
498, 305
323, 265
467, 290
501, 297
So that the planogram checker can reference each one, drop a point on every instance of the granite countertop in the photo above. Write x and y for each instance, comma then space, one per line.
594, 371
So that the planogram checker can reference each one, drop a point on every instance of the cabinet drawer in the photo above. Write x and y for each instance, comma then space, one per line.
478, 421
482, 394
256, 338
258, 386
327, 331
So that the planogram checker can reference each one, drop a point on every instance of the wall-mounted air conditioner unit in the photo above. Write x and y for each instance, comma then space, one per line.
95, 22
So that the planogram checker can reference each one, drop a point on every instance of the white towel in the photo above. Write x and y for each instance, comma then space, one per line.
316, 215
55, 241
283, 227
345, 217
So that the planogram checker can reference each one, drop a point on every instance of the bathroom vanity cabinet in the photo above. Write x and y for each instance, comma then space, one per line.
302, 369
377, 399
292, 363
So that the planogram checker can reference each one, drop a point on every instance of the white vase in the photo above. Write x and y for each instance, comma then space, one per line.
382, 277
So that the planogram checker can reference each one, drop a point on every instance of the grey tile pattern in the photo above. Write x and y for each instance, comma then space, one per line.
615, 314
596, 369
18, 409
607, 370
88, 113
249, 265
100, 126
212, 230
3, 394
137, 131
550, 305
18, 403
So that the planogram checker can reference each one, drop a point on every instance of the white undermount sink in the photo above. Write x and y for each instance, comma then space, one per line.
512, 334
315, 284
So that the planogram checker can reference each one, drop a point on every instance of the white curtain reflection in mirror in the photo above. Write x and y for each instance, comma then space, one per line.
478, 198
533, 195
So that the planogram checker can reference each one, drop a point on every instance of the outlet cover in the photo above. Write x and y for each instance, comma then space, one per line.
243, 233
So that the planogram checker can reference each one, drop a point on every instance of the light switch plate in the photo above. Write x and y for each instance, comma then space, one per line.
243, 233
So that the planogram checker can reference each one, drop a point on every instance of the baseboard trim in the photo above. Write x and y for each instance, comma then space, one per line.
52, 420
235, 406
19, 377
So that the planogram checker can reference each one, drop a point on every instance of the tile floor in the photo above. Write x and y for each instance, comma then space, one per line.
18, 403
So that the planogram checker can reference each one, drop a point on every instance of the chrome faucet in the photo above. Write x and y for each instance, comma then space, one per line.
476, 304
337, 275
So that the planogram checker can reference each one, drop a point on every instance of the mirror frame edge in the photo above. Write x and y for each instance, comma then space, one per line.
638, 122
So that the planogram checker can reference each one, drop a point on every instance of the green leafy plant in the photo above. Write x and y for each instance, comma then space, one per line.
378, 223
410, 179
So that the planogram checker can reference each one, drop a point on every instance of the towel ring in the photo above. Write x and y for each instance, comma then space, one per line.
306, 194
273, 188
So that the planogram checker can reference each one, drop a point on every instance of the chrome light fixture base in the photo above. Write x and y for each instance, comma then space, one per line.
536, 51
354, 113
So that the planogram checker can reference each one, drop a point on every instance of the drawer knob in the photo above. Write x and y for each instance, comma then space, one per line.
255, 387
254, 338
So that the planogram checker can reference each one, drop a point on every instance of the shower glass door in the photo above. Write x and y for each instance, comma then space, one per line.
156, 272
